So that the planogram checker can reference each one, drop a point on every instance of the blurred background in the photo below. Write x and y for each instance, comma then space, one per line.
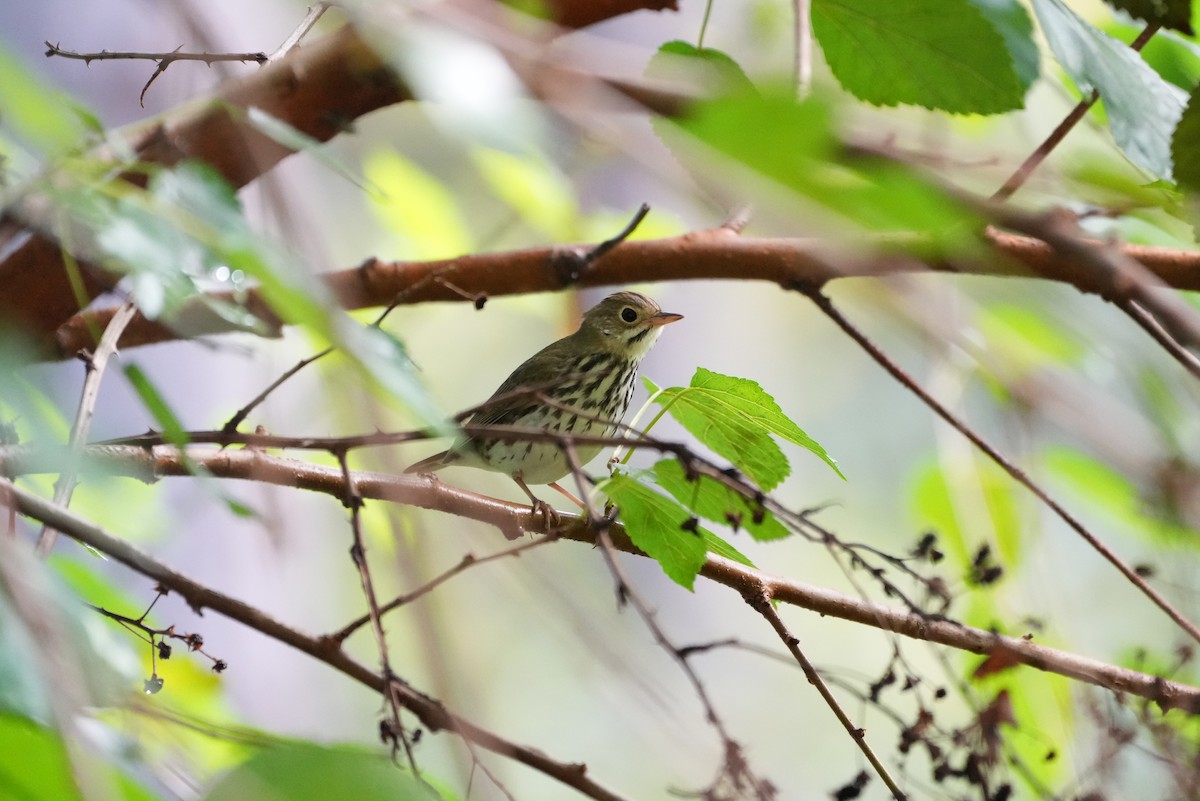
537, 647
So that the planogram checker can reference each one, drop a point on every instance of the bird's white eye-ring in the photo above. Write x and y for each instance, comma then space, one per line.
628, 314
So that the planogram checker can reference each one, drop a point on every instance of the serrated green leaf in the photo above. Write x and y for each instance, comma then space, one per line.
655, 524
1011, 20
715, 70
1173, 56
1185, 144
1142, 108
714, 501
941, 54
735, 417
1175, 14
720, 547
310, 772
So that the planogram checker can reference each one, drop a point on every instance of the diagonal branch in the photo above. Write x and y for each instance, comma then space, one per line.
431, 712
426, 492
80, 431
1017, 474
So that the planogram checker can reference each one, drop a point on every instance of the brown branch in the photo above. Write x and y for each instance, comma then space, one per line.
164, 60
762, 605
432, 713
704, 255
318, 90
1022, 173
427, 492
468, 561
314, 13
174, 55
353, 501
96, 363
1016, 473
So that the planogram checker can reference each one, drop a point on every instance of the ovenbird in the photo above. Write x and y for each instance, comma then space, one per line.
588, 378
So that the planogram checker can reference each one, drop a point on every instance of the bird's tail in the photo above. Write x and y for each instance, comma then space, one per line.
432, 463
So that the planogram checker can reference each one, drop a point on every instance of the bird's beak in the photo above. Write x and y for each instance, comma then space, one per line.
662, 318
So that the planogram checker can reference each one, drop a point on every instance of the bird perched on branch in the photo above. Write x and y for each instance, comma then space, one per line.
579, 385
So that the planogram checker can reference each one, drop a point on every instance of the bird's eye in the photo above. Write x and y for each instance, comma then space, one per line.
628, 314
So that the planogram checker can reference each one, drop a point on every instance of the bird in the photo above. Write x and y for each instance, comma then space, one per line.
580, 385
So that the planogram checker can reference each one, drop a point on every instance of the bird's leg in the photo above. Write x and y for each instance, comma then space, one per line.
548, 512
554, 485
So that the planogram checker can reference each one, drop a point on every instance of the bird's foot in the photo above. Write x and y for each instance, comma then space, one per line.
548, 513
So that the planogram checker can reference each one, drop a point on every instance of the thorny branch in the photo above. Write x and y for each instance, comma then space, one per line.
163, 60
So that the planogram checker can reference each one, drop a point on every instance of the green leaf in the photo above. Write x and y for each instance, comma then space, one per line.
735, 418
1185, 144
532, 187
791, 143
173, 430
940, 54
386, 360
1142, 108
34, 767
1114, 498
720, 547
42, 116
295, 139
1173, 56
968, 506
1011, 20
417, 208
310, 772
714, 501
1027, 338
713, 70
1175, 14
655, 524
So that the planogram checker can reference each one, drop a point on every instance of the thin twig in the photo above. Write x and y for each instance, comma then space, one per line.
1018, 475
314, 13
1154, 328
163, 60
96, 364
735, 767
570, 262
174, 55
802, 20
358, 554
761, 603
1018, 178
468, 561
